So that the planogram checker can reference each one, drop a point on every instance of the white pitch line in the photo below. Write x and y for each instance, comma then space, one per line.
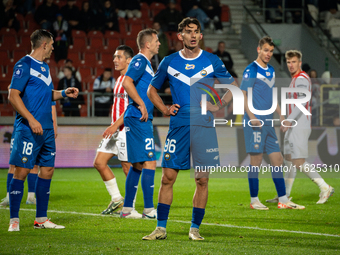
189, 222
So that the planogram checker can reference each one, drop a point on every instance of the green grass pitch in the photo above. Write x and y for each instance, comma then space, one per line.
229, 226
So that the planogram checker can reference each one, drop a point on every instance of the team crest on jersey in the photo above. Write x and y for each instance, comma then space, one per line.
268, 73
137, 65
24, 160
18, 73
167, 156
43, 69
188, 67
150, 154
204, 73
256, 146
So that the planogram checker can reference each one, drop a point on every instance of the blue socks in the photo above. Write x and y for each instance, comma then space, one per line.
253, 179
162, 214
16, 191
131, 186
148, 177
9, 179
42, 193
197, 217
31, 180
279, 182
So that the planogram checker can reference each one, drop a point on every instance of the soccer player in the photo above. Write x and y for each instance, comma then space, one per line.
32, 176
138, 125
296, 138
260, 77
184, 137
31, 94
116, 144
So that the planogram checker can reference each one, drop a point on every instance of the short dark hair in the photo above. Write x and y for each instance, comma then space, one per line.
128, 51
186, 22
108, 69
69, 68
142, 35
221, 42
38, 36
265, 40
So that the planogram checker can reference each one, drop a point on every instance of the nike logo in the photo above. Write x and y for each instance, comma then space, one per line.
125, 214
152, 186
153, 217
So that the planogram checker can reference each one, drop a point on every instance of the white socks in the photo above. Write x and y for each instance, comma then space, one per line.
289, 177
254, 199
284, 199
314, 176
113, 190
30, 195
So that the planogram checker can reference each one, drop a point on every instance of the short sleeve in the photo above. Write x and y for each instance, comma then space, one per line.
161, 75
21, 75
220, 70
96, 83
248, 78
136, 68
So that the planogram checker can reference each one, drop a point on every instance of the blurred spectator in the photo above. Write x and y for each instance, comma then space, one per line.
103, 84
213, 9
110, 17
306, 67
8, 15
163, 48
75, 72
326, 77
71, 13
70, 105
87, 18
191, 8
129, 9
46, 13
296, 15
25, 6
60, 28
332, 16
275, 14
336, 121
169, 18
225, 57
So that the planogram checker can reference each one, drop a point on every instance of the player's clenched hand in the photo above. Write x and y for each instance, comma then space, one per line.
144, 112
287, 124
211, 107
72, 92
256, 122
109, 131
173, 110
36, 127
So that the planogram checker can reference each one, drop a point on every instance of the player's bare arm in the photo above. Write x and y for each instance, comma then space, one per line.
254, 121
19, 106
132, 92
286, 123
70, 92
114, 127
54, 118
158, 102
226, 99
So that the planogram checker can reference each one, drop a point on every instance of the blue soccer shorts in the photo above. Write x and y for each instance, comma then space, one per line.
139, 139
261, 140
30, 149
200, 142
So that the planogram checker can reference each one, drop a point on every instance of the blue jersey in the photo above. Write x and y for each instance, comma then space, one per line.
182, 74
140, 71
32, 78
262, 80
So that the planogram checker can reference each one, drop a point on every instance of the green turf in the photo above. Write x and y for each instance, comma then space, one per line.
227, 215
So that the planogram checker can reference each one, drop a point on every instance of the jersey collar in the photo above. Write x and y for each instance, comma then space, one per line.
261, 66
35, 59
199, 54
145, 57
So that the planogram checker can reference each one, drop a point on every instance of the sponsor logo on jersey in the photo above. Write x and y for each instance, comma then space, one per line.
18, 73
204, 73
176, 74
43, 69
39, 75
268, 73
127, 129
188, 67
150, 154
212, 150
137, 65
256, 146
167, 156
24, 160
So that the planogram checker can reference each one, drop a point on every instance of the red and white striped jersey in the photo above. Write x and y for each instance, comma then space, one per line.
120, 101
300, 80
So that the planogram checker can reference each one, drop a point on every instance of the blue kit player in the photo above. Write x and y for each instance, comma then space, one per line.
261, 78
138, 125
182, 69
31, 94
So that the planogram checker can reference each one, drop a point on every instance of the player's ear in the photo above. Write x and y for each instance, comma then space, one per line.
258, 50
128, 60
179, 36
201, 36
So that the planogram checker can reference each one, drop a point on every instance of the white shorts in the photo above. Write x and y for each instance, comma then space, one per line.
115, 145
296, 142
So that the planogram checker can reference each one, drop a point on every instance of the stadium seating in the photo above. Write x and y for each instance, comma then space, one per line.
225, 14
17, 55
4, 57
156, 8
96, 40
